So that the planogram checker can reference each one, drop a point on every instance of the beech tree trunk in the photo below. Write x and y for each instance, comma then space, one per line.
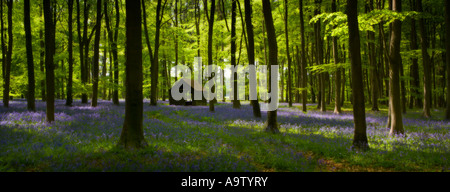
271, 125
210, 42
426, 65
337, 99
30, 63
251, 54
132, 136
360, 136
303, 58
155, 62
49, 65
8, 56
289, 78
447, 59
69, 98
236, 102
394, 73
95, 70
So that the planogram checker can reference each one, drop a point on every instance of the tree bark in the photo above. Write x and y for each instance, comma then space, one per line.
337, 99
251, 54
210, 43
49, 65
69, 98
394, 73
303, 58
360, 136
289, 78
8, 61
95, 70
426, 64
447, 59
155, 63
236, 102
30, 63
271, 125
132, 136
415, 81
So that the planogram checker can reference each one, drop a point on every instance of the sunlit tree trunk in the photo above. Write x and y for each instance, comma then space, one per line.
132, 136
394, 73
360, 136
337, 100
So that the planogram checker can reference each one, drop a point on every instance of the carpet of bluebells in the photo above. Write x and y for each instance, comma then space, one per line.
190, 138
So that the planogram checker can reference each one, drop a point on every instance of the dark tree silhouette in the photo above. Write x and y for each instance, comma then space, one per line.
49, 65
132, 136
210, 42
95, 70
8, 56
251, 54
271, 125
426, 64
447, 58
236, 102
303, 58
69, 98
359, 114
30, 63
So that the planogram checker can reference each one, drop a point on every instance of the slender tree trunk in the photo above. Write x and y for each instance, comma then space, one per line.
49, 65
289, 78
104, 81
96, 54
415, 81
251, 55
115, 54
426, 64
319, 60
303, 58
447, 59
271, 125
8, 61
155, 63
394, 73
337, 101
132, 136
30, 63
236, 102
360, 141
3, 46
176, 34
85, 56
210, 42
42, 59
69, 98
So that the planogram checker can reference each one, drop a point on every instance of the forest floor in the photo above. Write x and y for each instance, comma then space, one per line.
188, 138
